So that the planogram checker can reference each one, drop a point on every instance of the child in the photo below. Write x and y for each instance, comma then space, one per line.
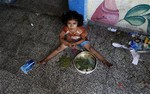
72, 35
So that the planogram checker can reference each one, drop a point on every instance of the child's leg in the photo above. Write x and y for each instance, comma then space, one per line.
98, 55
54, 53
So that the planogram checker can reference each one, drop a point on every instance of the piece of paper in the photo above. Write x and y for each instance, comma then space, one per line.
135, 56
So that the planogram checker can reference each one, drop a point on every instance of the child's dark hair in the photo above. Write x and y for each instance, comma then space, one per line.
72, 15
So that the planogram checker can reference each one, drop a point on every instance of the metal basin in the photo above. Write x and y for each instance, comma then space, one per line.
85, 62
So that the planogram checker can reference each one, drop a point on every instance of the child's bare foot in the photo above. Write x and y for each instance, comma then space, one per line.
107, 63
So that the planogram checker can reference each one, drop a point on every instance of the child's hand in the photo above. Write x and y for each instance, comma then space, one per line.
72, 45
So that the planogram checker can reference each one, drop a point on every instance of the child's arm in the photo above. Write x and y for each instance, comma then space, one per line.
61, 37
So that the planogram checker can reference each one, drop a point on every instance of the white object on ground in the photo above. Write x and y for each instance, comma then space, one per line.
37, 14
119, 45
32, 24
135, 56
111, 29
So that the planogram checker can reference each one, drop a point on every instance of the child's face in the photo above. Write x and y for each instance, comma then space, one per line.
72, 24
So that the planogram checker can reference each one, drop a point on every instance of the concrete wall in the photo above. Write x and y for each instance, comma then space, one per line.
80, 6
132, 14
123, 13
51, 7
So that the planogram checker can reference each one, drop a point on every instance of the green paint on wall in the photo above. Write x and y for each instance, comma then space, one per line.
137, 16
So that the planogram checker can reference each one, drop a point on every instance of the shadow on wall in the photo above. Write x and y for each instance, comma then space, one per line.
50, 7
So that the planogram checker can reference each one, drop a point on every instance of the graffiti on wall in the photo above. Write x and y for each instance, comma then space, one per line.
106, 12
138, 15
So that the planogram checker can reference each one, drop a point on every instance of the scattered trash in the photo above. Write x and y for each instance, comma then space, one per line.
135, 45
117, 45
32, 24
134, 34
27, 66
147, 42
139, 41
112, 29
134, 53
139, 44
135, 56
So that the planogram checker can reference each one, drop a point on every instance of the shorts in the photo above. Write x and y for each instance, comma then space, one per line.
84, 43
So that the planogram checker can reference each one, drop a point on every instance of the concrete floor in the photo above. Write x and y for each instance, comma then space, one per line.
26, 35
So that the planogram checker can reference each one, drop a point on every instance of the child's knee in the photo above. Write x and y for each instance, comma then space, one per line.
59, 49
90, 49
